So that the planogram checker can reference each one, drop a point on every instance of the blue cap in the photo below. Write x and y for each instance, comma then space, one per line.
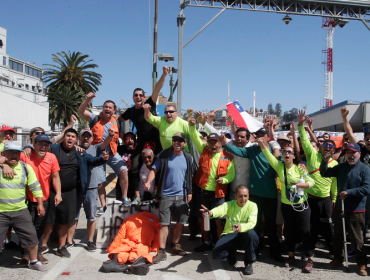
13, 146
42, 137
353, 147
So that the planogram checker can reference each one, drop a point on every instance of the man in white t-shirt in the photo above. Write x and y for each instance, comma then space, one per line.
148, 157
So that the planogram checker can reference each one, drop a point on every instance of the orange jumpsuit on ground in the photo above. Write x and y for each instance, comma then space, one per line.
137, 236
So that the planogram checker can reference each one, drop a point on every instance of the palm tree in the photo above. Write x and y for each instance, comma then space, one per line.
73, 70
63, 102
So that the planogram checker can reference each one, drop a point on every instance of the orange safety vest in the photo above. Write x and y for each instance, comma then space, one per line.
205, 163
98, 132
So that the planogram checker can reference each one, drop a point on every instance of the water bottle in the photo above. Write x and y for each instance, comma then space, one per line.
300, 190
207, 226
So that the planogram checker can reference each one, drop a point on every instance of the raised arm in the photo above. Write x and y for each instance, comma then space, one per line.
159, 84
347, 127
231, 121
107, 140
70, 125
82, 109
147, 113
295, 140
211, 116
199, 144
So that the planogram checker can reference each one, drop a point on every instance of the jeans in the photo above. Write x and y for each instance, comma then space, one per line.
354, 223
229, 243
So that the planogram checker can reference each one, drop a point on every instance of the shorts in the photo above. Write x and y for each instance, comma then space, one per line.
174, 206
115, 162
279, 214
21, 221
208, 199
90, 203
65, 212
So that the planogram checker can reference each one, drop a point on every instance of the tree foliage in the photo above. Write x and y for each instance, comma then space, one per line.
290, 115
270, 109
278, 110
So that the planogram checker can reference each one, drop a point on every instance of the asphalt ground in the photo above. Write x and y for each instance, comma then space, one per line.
86, 265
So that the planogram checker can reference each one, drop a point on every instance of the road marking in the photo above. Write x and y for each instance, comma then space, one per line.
62, 264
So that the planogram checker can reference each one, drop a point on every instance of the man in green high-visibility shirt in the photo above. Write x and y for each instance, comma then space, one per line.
13, 207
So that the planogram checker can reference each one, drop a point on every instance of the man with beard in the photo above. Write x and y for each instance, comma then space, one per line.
353, 187
74, 180
174, 168
100, 126
89, 198
319, 196
6, 134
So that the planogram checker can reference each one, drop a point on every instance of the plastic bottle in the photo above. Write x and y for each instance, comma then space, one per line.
207, 226
300, 190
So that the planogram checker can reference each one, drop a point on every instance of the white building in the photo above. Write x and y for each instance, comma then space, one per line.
23, 103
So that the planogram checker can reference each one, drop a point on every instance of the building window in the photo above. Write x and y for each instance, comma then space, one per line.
27, 87
15, 66
4, 60
33, 88
1, 44
33, 72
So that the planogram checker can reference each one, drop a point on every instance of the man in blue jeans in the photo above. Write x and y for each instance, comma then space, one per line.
238, 233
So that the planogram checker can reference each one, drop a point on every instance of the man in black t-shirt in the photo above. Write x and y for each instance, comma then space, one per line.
146, 133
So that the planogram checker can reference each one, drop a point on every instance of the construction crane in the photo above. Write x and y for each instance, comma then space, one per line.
124, 101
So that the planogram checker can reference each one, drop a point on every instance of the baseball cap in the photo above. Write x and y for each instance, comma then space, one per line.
262, 129
179, 135
42, 137
353, 147
213, 136
86, 130
13, 146
283, 137
6, 128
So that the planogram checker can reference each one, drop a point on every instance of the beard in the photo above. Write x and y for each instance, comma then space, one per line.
355, 160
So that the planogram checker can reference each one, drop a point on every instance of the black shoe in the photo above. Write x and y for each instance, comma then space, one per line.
140, 261
113, 266
63, 252
44, 249
248, 270
91, 246
25, 261
70, 245
204, 247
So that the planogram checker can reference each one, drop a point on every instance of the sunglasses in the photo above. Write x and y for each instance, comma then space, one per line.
147, 157
345, 139
328, 145
320, 141
138, 95
171, 112
39, 132
288, 152
178, 140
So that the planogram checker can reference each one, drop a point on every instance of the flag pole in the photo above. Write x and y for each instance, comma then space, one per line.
219, 108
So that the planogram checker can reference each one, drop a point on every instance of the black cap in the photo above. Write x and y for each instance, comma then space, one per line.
264, 130
179, 135
213, 136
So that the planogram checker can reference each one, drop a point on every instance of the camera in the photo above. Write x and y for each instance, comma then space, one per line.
342, 22
287, 19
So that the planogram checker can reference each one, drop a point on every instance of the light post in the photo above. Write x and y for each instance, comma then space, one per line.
160, 56
172, 82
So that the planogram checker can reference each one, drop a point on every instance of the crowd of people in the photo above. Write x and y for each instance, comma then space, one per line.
250, 184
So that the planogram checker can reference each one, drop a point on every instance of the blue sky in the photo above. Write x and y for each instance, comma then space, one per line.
254, 50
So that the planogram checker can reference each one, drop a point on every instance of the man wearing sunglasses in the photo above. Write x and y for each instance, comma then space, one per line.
174, 166
319, 196
353, 187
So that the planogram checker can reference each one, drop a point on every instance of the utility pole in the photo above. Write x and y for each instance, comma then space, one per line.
155, 39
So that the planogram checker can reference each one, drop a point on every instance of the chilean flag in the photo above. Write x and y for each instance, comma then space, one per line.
242, 118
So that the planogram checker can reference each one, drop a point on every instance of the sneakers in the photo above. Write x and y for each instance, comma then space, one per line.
91, 246
204, 247
125, 202
44, 249
24, 261
289, 262
308, 267
63, 252
42, 259
136, 200
334, 264
177, 250
70, 245
362, 270
38, 266
101, 211
161, 256
248, 270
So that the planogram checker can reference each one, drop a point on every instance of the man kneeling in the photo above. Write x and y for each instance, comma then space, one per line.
238, 233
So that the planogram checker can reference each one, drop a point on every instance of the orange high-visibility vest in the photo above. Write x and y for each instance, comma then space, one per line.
205, 163
98, 132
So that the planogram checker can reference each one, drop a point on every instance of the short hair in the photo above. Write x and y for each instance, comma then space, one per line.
241, 187
329, 140
366, 134
71, 130
138, 89
243, 129
313, 141
174, 106
110, 101
326, 134
320, 137
147, 151
33, 130
129, 133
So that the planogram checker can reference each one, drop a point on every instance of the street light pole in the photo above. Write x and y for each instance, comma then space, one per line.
155, 38
180, 23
